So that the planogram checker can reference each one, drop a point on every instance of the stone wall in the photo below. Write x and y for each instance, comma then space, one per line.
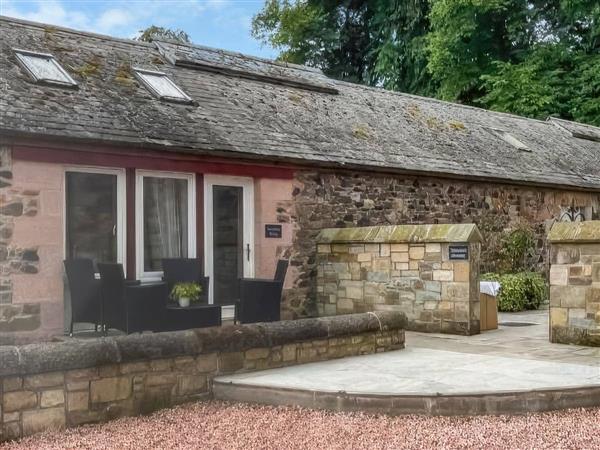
16, 260
84, 381
325, 199
575, 283
405, 268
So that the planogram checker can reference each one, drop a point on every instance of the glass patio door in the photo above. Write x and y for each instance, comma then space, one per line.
94, 219
229, 235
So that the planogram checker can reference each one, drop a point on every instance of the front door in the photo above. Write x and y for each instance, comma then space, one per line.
229, 235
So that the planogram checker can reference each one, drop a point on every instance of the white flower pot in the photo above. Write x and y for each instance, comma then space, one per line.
184, 302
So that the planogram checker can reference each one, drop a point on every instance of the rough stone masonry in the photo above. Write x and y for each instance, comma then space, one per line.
15, 203
575, 283
324, 199
428, 272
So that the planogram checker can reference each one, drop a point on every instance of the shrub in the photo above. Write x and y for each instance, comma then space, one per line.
518, 252
519, 291
508, 247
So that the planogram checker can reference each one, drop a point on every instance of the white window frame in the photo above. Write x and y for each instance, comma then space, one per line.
247, 185
121, 202
139, 218
139, 75
20, 53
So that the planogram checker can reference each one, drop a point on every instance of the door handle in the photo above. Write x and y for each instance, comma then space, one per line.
248, 252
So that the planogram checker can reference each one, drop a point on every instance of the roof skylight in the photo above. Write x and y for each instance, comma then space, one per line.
509, 139
161, 86
43, 68
577, 130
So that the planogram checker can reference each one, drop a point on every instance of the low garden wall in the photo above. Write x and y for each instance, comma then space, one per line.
428, 272
79, 381
575, 283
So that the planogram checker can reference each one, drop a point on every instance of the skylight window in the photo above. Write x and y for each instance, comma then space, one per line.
161, 86
43, 68
577, 130
509, 139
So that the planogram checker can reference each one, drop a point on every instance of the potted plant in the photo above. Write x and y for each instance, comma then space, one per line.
186, 293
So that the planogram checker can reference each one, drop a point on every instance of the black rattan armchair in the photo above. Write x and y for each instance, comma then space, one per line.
85, 296
260, 300
128, 307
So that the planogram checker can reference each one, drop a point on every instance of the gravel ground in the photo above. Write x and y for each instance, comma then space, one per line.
217, 425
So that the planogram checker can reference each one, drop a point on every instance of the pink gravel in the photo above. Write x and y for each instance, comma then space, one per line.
217, 425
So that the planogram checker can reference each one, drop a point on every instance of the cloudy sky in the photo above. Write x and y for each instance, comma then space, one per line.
216, 23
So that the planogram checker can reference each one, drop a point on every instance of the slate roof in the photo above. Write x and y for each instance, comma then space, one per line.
252, 108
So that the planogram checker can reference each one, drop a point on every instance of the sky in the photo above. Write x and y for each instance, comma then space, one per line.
216, 23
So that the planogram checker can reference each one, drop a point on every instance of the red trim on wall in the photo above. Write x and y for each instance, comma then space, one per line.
152, 160
200, 218
130, 220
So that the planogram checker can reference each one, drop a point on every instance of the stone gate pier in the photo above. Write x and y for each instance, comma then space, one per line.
428, 272
575, 283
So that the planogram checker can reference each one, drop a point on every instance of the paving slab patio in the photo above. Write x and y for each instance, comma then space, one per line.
510, 359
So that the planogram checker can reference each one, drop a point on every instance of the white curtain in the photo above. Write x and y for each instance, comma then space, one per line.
165, 220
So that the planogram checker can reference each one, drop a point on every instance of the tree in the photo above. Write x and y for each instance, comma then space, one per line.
377, 42
154, 33
530, 57
468, 37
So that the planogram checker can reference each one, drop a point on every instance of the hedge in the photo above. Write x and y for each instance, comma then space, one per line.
518, 291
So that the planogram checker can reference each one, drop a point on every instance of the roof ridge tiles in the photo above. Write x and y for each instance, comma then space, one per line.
283, 64
61, 28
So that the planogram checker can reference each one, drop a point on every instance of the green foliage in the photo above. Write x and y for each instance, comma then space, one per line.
530, 57
530, 88
518, 249
466, 37
377, 42
507, 247
519, 291
154, 33
552, 81
187, 290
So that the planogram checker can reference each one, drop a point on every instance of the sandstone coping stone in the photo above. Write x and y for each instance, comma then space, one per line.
80, 354
402, 233
136, 347
588, 231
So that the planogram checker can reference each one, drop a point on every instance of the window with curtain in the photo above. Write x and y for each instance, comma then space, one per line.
165, 220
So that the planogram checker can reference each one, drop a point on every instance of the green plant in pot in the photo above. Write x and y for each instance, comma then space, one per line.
186, 293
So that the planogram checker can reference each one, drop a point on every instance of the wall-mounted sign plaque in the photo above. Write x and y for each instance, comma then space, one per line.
273, 231
458, 252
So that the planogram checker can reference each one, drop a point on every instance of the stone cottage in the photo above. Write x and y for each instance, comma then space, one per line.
127, 151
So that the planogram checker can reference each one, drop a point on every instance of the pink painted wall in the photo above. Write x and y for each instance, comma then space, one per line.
273, 200
43, 231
